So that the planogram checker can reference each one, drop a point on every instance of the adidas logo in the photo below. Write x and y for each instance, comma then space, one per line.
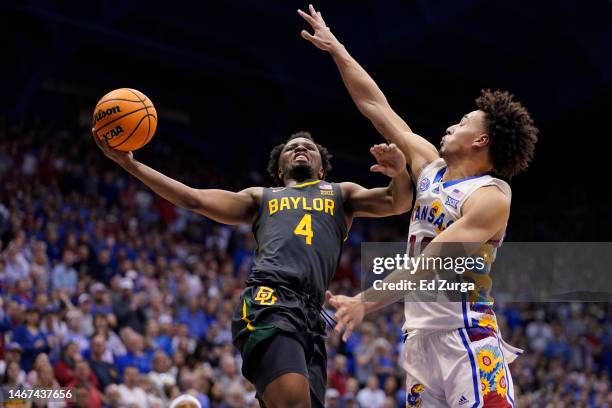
463, 400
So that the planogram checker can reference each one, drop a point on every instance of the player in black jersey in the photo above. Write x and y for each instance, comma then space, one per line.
299, 228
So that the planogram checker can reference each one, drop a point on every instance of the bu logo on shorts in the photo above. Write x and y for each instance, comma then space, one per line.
265, 296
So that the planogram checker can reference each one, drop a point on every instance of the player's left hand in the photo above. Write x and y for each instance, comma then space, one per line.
323, 38
391, 160
350, 312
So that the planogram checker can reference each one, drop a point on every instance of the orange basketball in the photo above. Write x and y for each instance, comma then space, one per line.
126, 118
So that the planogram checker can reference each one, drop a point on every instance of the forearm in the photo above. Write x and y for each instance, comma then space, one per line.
363, 90
220, 205
372, 306
373, 104
174, 191
400, 190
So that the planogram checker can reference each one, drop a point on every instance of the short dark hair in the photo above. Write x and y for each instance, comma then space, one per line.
511, 131
276, 152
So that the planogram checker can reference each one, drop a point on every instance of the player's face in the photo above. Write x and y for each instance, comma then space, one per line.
462, 138
301, 159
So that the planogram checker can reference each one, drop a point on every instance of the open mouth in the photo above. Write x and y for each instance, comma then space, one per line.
300, 157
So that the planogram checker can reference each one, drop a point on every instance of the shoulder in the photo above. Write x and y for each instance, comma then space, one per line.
349, 188
432, 166
429, 169
255, 193
487, 200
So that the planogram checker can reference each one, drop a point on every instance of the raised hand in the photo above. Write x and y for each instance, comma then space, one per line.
323, 38
117, 156
350, 312
390, 159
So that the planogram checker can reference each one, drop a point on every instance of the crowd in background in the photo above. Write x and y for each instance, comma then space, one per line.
115, 293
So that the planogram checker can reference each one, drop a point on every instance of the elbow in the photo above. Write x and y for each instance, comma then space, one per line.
402, 207
189, 201
370, 109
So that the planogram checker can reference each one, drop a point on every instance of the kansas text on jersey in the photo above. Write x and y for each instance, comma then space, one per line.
437, 206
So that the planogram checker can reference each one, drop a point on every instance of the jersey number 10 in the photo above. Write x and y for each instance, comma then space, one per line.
304, 228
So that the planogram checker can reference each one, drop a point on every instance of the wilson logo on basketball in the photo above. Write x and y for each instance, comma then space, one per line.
100, 114
113, 133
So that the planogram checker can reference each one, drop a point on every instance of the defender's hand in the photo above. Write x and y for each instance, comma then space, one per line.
350, 312
391, 160
119, 157
323, 38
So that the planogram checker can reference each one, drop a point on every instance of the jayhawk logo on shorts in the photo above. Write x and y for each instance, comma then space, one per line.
413, 399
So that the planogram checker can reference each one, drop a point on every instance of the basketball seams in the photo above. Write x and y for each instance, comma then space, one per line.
150, 135
135, 94
148, 118
121, 117
117, 99
130, 135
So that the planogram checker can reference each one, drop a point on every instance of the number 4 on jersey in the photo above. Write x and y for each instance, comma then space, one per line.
305, 228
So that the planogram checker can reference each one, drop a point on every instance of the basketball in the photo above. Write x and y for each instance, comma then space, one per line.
126, 118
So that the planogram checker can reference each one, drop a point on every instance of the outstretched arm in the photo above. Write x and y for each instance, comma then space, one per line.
485, 215
222, 206
394, 199
368, 97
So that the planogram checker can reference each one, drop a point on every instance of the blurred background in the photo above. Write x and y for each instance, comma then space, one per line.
81, 239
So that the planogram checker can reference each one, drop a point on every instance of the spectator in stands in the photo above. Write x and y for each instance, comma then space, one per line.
136, 355
13, 352
193, 316
339, 375
11, 381
85, 306
40, 268
83, 377
129, 391
371, 396
154, 399
11, 315
364, 353
161, 376
73, 330
30, 338
40, 361
23, 291
16, 267
128, 307
112, 396
114, 345
182, 340
102, 270
382, 361
235, 396
105, 372
65, 365
64, 276
332, 398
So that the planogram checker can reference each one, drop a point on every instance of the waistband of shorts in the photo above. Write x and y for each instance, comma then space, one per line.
475, 332
308, 298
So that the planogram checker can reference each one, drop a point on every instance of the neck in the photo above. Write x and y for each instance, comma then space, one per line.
458, 169
292, 182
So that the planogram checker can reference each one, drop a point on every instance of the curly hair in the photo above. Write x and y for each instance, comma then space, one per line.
511, 130
276, 152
